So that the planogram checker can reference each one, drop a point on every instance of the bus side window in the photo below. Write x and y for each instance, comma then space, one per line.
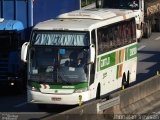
120, 34
115, 36
104, 41
100, 44
110, 33
129, 33
118, 37
124, 34
107, 41
133, 31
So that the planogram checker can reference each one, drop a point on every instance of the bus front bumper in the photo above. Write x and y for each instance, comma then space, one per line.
61, 99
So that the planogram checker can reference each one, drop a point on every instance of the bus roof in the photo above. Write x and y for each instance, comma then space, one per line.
97, 14
84, 20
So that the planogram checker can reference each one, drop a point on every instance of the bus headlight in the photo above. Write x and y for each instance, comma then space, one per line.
81, 90
32, 88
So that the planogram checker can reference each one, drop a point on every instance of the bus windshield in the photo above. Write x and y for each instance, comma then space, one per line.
60, 38
122, 4
58, 65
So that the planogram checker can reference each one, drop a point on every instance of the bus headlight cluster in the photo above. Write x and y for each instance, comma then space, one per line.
32, 88
81, 90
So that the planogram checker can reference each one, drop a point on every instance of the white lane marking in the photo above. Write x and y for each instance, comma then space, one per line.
21, 104
141, 47
158, 38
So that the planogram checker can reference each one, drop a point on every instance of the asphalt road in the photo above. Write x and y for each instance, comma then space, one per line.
14, 106
148, 57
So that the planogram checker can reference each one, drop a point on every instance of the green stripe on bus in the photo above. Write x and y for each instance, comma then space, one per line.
78, 86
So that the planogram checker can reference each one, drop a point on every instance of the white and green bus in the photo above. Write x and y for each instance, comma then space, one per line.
80, 56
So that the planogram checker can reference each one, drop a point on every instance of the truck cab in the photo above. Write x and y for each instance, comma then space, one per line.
10, 43
136, 6
147, 13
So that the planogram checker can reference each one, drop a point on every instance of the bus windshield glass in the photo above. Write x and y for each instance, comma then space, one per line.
122, 4
58, 65
60, 38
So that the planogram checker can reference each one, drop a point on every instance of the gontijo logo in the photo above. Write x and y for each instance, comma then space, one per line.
133, 51
105, 62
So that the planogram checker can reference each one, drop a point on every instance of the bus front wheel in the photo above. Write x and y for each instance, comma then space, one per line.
98, 92
124, 81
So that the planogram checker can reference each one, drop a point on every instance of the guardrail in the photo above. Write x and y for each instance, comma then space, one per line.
108, 104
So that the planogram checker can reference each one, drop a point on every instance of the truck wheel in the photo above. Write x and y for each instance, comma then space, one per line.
99, 3
148, 29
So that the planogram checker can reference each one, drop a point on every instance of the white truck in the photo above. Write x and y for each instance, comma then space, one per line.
147, 13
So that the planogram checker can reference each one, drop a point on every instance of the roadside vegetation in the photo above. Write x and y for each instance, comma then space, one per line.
86, 2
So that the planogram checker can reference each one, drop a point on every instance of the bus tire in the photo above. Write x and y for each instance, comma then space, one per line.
124, 81
128, 79
98, 92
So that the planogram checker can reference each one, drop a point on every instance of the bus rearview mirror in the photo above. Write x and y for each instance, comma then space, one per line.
92, 53
24, 51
